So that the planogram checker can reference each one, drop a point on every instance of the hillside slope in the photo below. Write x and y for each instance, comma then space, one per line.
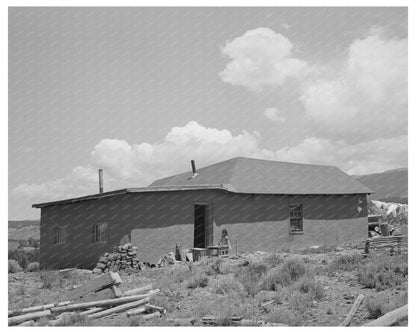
389, 186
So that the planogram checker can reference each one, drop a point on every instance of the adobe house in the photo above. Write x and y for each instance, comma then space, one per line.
264, 205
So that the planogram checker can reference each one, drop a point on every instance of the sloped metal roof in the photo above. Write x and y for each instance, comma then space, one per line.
249, 175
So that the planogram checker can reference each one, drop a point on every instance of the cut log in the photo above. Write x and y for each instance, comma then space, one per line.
119, 308
389, 319
37, 308
138, 290
29, 316
95, 284
90, 311
27, 323
154, 308
152, 315
135, 312
354, 309
103, 303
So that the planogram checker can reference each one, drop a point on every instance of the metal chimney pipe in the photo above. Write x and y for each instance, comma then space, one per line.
193, 167
100, 180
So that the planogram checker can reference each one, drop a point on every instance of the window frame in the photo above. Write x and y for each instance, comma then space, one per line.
100, 236
60, 235
296, 218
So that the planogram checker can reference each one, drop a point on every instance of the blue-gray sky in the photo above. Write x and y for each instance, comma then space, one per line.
141, 91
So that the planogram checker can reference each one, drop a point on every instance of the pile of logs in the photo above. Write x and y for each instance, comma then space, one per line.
122, 257
391, 244
100, 297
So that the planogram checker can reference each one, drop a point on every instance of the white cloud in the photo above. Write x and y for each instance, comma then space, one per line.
367, 98
259, 58
360, 158
130, 165
274, 114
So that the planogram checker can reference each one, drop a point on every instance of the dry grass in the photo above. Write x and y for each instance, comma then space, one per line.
384, 272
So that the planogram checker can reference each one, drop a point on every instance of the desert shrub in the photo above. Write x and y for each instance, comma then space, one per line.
384, 272
23, 257
33, 267
292, 270
295, 268
227, 286
250, 276
284, 316
273, 260
198, 281
347, 262
50, 279
21, 290
299, 301
214, 267
309, 285
14, 266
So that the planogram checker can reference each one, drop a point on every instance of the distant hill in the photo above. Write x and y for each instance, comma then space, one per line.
22, 231
389, 186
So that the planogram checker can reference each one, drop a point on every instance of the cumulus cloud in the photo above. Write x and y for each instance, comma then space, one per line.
361, 158
130, 165
274, 114
259, 58
367, 98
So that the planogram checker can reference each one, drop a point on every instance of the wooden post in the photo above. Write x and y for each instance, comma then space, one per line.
354, 309
138, 290
119, 308
389, 319
30, 316
110, 302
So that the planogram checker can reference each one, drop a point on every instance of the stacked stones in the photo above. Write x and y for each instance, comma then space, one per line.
122, 257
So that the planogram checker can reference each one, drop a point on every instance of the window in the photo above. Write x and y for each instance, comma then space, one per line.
99, 233
296, 218
60, 235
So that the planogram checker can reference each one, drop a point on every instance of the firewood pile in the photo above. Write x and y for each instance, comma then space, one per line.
391, 244
122, 257
101, 297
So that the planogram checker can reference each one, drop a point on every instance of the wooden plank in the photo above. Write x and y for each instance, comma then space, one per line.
389, 319
120, 308
355, 307
106, 293
152, 315
37, 308
29, 316
109, 302
27, 323
90, 311
138, 290
154, 308
135, 312
95, 284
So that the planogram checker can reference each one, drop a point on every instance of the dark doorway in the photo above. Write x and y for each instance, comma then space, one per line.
203, 228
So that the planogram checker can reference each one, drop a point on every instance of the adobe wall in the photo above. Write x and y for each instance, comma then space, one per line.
159, 220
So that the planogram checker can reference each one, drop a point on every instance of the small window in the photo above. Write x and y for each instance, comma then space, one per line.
99, 233
60, 235
296, 218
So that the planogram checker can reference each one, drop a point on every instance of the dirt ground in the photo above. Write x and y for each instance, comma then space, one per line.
212, 287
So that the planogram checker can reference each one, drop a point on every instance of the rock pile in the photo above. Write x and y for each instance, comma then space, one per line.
122, 257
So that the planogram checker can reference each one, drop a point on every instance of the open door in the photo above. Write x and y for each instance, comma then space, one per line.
203, 225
